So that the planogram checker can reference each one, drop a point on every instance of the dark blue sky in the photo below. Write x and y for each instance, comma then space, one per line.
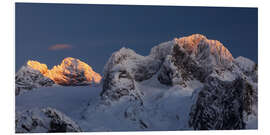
96, 31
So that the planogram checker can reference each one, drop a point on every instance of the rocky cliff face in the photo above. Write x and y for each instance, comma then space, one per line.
223, 105
46, 120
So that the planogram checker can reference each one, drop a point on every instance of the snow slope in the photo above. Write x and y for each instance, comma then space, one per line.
166, 105
70, 100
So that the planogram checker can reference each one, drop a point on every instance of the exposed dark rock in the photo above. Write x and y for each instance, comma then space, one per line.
180, 67
27, 79
44, 120
117, 84
221, 104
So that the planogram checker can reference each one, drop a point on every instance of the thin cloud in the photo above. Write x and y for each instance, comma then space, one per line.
57, 47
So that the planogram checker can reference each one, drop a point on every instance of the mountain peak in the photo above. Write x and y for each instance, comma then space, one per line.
71, 71
190, 43
195, 42
199, 46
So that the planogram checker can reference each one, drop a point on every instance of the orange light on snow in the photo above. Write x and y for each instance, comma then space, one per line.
69, 66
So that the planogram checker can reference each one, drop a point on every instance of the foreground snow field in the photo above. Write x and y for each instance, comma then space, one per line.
66, 99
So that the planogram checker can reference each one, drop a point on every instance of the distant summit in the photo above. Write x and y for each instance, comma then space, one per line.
71, 72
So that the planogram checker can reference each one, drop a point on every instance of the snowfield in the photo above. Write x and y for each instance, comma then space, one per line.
70, 100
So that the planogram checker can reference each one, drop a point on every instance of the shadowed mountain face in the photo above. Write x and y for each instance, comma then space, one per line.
45, 120
189, 83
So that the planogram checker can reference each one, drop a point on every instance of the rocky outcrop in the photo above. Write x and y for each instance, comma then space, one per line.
117, 84
221, 105
28, 78
44, 120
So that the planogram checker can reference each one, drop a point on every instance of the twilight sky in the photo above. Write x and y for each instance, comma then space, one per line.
50, 32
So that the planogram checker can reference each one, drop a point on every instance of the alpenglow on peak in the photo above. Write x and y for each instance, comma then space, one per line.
70, 72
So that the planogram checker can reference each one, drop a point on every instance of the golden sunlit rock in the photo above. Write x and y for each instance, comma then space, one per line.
191, 45
70, 72
38, 66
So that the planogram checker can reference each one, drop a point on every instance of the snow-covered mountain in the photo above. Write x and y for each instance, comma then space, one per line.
229, 91
28, 78
190, 83
71, 72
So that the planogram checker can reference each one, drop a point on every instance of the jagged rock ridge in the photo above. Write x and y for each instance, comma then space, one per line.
27, 79
71, 72
46, 120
